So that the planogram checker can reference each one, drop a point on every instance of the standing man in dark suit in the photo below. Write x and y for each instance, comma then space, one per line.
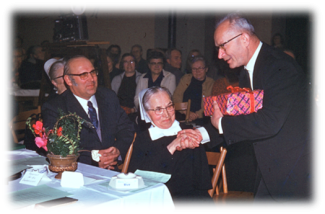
280, 131
113, 131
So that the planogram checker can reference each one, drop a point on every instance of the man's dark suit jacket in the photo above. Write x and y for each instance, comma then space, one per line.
116, 128
280, 131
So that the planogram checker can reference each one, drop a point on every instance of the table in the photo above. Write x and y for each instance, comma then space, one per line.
95, 194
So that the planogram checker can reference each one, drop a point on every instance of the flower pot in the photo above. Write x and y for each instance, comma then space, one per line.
60, 164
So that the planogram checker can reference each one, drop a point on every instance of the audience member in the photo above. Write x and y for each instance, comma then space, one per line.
30, 72
194, 86
16, 63
157, 76
278, 41
174, 63
125, 84
113, 71
155, 148
113, 131
115, 50
142, 65
193, 53
45, 44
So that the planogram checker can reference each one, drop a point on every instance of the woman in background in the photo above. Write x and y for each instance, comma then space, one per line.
194, 86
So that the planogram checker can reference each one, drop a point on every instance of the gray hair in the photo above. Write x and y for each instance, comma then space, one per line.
150, 92
54, 68
238, 22
198, 58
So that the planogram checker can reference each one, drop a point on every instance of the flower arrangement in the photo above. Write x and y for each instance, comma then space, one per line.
64, 138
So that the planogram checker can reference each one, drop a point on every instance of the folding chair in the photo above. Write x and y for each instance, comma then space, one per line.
185, 106
217, 159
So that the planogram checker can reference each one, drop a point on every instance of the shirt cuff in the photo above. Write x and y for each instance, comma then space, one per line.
205, 135
220, 126
95, 155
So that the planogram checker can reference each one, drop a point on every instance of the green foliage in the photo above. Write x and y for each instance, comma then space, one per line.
64, 138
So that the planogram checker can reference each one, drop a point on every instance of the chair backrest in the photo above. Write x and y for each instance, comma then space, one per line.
185, 106
19, 123
128, 157
217, 159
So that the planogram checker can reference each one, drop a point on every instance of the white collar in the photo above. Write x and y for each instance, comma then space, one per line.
156, 133
250, 65
84, 103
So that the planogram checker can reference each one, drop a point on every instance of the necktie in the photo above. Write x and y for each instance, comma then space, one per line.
92, 114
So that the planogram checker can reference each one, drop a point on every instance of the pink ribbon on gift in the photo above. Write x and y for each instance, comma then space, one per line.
248, 90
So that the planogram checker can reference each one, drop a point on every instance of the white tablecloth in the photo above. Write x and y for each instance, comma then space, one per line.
95, 193
17, 91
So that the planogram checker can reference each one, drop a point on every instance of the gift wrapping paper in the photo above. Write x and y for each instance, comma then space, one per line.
241, 102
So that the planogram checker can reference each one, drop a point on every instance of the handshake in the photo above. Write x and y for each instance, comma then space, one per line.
186, 139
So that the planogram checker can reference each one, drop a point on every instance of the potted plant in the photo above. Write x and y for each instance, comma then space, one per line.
61, 142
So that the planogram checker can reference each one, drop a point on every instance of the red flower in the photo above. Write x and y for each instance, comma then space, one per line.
59, 132
38, 128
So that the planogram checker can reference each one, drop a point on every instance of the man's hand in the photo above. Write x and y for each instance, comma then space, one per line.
216, 115
108, 157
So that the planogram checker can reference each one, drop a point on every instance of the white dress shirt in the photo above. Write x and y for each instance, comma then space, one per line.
250, 68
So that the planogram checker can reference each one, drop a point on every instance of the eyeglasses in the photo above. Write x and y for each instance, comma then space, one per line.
222, 46
127, 62
57, 77
85, 75
156, 63
198, 69
159, 111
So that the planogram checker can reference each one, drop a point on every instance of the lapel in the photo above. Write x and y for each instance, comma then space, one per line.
258, 68
103, 111
74, 106
244, 81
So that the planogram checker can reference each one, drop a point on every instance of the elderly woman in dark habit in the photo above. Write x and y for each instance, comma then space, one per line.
156, 148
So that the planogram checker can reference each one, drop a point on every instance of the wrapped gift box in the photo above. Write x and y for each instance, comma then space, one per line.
239, 101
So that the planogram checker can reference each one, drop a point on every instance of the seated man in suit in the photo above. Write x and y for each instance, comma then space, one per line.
113, 131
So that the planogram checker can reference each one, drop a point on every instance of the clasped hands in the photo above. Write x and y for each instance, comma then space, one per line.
108, 158
186, 139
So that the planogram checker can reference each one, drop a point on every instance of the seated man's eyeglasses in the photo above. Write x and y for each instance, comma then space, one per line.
222, 46
85, 75
159, 111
